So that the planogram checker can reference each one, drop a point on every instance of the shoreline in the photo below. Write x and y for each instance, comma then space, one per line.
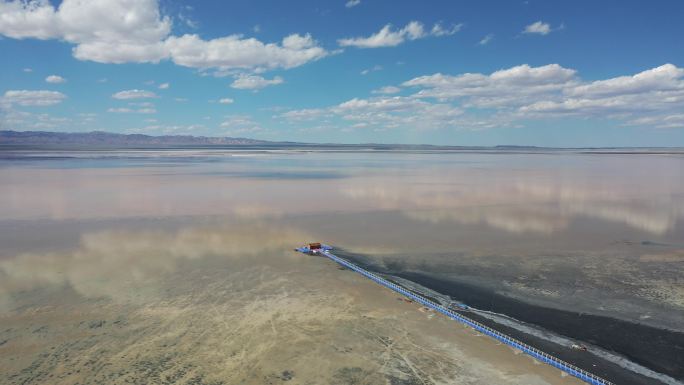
252, 320
659, 350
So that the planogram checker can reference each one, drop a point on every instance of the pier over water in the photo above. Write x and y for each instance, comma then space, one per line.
566, 367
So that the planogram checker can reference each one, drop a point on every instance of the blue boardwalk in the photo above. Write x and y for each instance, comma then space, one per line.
325, 250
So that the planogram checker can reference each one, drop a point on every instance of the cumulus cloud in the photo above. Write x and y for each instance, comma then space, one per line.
383, 112
554, 91
55, 79
109, 31
235, 52
539, 28
40, 98
664, 78
509, 97
658, 89
507, 87
352, 3
254, 82
164, 86
122, 31
226, 101
387, 37
134, 94
395, 103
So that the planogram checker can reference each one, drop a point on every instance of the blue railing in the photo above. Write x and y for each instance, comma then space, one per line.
536, 353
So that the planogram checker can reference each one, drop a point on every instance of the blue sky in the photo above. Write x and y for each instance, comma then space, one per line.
554, 73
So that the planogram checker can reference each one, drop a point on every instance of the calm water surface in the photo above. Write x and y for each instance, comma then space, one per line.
596, 233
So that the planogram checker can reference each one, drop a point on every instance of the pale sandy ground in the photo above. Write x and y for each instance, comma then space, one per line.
273, 318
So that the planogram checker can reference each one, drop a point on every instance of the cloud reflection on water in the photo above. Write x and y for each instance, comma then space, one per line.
524, 202
126, 265
523, 193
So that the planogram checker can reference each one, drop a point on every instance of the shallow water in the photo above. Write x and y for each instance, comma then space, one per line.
596, 233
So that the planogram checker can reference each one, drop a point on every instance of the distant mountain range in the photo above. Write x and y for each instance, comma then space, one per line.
101, 139
108, 139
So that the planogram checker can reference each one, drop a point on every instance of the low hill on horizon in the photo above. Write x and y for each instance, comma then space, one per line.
101, 138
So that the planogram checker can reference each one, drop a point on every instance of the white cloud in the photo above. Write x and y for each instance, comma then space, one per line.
87, 117
352, 3
23, 120
659, 89
395, 103
122, 31
109, 31
372, 69
235, 52
664, 78
387, 90
304, 114
666, 121
55, 79
125, 110
33, 98
254, 82
510, 97
485, 40
165, 129
526, 75
439, 30
121, 110
383, 112
508, 87
28, 70
134, 94
28, 19
188, 21
538, 27
226, 101
240, 125
387, 37
164, 86
651, 97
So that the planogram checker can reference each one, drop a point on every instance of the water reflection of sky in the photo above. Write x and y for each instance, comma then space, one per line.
122, 225
127, 265
517, 193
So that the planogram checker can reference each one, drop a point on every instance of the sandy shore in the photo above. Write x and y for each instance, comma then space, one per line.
211, 319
